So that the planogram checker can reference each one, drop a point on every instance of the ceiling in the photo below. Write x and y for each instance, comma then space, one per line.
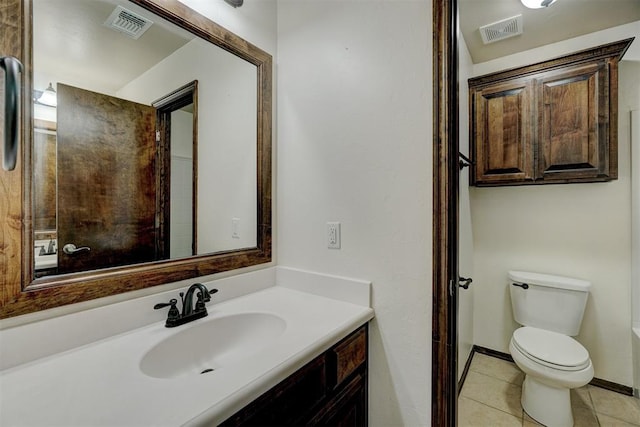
67, 30
72, 46
563, 20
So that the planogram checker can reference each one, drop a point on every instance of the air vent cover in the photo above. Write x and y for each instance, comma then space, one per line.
502, 29
127, 22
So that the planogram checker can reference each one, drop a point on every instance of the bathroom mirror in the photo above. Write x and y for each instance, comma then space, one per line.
190, 197
116, 198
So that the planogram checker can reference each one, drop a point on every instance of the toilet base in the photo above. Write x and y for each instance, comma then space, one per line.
547, 405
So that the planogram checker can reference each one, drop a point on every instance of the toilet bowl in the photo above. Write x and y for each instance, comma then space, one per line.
553, 364
550, 308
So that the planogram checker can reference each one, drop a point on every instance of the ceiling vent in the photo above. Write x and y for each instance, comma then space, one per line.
501, 30
127, 22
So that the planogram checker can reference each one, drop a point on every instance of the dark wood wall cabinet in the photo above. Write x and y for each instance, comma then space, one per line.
551, 122
331, 390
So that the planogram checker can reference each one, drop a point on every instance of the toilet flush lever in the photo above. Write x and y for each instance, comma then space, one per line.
464, 282
521, 285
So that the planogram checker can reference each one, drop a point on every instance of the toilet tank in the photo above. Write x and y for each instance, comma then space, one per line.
544, 301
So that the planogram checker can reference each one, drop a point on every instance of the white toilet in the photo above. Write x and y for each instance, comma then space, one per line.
550, 310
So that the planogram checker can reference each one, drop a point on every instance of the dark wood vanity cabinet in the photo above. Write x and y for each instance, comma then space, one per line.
551, 122
331, 390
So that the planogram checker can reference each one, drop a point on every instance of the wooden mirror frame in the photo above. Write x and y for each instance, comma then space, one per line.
444, 385
20, 292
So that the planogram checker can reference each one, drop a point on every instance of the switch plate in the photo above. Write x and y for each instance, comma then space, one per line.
235, 228
333, 235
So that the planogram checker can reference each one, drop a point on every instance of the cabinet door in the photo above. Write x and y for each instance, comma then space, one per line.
288, 402
502, 133
573, 108
347, 409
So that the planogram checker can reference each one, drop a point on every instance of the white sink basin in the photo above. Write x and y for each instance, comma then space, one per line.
46, 261
212, 344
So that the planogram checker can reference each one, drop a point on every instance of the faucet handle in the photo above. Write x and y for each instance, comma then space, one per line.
204, 298
174, 313
172, 302
204, 293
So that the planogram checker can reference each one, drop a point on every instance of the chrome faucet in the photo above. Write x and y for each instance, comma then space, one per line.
50, 249
189, 312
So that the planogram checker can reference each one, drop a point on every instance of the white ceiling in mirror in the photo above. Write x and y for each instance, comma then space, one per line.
563, 20
72, 32
253, 21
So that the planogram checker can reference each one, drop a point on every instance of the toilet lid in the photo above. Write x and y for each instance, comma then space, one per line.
551, 348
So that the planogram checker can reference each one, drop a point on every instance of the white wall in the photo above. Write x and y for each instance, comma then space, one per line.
227, 131
579, 230
354, 145
635, 245
635, 219
465, 241
181, 191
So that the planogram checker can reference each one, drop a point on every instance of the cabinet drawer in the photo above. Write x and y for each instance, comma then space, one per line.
347, 356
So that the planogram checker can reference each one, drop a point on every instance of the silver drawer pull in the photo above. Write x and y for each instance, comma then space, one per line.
71, 249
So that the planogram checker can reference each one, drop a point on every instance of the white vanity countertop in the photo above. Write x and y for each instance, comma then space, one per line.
101, 384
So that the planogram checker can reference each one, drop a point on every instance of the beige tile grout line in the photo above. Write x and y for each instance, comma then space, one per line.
592, 404
521, 417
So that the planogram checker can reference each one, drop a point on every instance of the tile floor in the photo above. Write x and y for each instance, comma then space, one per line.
491, 397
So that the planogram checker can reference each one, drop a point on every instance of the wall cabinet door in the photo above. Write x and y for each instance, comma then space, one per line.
551, 122
573, 108
502, 132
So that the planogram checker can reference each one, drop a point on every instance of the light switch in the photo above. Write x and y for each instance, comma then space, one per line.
235, 228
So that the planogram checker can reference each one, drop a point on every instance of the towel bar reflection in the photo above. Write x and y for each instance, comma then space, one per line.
12, 68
